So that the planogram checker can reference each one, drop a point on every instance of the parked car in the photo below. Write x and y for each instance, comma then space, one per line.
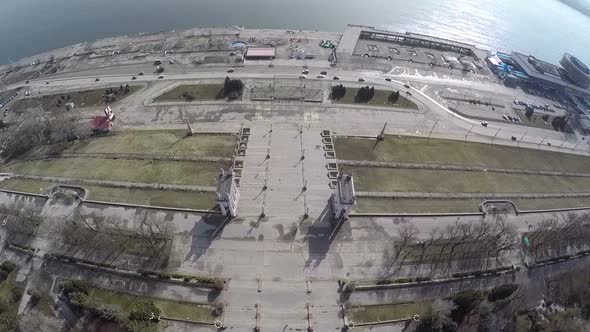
505, 117
321, 76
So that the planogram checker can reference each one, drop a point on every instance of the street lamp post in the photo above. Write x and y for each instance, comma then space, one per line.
522, 138
495, 137
470, 129
543, 140
430, 134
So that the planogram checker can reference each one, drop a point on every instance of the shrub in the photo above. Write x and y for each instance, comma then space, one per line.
3, 275
188, 96
140, 326
338, 92
7, 266
218, 308
163, 275
364, 94
108, 312
402, 280
232, 88
350, 286
502, 292
16, 292
393, 97
80, 300
144, 310
76, 286
422, 279
465, 302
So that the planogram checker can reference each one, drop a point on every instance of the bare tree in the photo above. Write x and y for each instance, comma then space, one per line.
407, 234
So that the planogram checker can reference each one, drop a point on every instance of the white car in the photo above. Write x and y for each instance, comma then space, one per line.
305, 72
484, 123
505, 117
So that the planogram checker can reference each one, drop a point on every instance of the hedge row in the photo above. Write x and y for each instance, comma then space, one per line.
402, 280
495, 271
82, 260
168, 276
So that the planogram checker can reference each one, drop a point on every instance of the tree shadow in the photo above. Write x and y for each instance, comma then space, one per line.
203, 233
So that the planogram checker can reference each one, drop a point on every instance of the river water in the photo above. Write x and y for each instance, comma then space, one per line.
545, 28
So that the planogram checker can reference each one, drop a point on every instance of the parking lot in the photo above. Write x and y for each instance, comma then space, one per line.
393, 51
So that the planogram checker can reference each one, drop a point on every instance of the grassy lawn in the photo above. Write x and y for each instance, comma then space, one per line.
417, 150
170, 172
380, 99
535, 120
173, 309
406, 180
152, 142
10, 295
442, 251
25, 185
81, 99
177, 199
197, 91
376, 313
388, 205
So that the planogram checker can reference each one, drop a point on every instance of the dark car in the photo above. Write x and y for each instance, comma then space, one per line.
388, 79
133, 78
324, 73
336, 78
96, 79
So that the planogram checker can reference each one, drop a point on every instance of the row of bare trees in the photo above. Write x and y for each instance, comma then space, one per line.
36, 127
145, 242
553, 237
459, 246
